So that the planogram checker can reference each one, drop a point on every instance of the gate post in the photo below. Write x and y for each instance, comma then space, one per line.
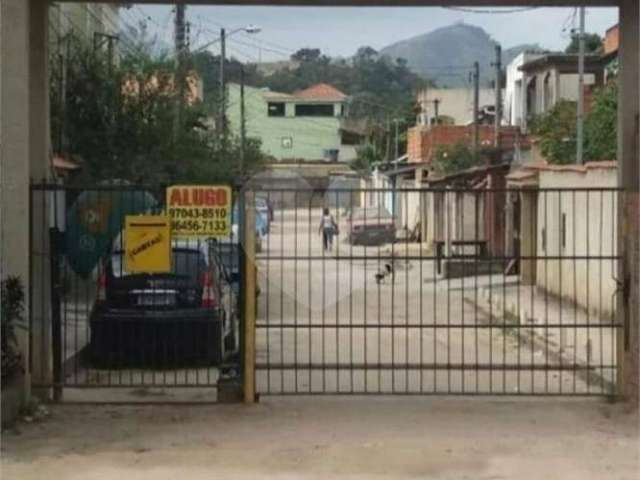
249, 316
56, 326
628, 337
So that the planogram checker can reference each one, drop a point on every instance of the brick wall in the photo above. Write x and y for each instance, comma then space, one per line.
423, 141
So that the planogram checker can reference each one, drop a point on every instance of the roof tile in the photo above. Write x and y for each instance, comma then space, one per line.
321, 91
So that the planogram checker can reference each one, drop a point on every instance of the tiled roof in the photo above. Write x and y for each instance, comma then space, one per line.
320, 91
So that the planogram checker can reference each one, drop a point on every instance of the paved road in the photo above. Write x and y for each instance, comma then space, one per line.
329, 325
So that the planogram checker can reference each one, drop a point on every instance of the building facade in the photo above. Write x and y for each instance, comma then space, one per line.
84, 20
454, 105
553, 77
305, 126
513, 98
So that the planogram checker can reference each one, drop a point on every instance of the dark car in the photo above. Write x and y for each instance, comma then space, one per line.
370, 226
227, 256
162, 319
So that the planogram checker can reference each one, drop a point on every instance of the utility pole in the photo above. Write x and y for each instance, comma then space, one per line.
388, 150
63, 58
580, 112
498, 91
98, 41
243, 125
223, 102
180, 47
476, 106
396, 121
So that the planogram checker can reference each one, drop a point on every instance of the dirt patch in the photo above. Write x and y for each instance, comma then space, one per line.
443, 438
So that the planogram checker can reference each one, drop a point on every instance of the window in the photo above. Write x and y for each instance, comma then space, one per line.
314, 110
287, 142
184, 262
276, 109
350, 138
331, 154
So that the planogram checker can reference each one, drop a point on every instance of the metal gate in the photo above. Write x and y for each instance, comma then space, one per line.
100, 334
445, 290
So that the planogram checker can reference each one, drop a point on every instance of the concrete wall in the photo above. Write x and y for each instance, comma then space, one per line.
24, 152
513, 98
552, 86
456, 103
578, 224
454, 216
569, 85
310, 136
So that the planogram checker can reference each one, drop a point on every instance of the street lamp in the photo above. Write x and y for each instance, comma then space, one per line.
251, 29
223, 107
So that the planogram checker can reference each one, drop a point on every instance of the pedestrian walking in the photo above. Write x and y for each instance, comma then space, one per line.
328, 228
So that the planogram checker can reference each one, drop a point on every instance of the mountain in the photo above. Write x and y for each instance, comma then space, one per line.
446, 55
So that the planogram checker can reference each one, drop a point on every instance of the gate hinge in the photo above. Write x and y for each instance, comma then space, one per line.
623, 287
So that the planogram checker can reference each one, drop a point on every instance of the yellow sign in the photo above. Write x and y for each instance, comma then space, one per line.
147, 244
199, 210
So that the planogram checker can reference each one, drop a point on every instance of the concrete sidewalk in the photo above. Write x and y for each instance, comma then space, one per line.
328, 438
557, 330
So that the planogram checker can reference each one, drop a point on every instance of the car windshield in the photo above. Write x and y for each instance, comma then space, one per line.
190, 263
361, 213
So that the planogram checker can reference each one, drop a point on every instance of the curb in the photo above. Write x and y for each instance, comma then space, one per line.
538, 341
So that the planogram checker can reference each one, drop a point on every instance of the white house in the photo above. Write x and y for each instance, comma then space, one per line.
513, 98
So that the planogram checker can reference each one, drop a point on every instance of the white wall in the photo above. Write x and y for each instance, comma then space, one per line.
569, 85
590, 230
454, 102
513, 100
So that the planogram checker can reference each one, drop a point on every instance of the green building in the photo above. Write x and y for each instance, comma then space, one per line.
308, 125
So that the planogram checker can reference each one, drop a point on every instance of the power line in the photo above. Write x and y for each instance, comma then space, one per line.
275, 48
254, 45
241, 52
147, 17
272, 44
250, 44
491, 11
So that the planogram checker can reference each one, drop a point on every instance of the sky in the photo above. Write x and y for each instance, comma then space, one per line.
339, 31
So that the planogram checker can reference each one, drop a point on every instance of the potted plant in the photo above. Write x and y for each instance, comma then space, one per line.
12, 368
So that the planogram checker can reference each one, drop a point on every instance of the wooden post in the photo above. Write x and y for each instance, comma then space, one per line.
249, 376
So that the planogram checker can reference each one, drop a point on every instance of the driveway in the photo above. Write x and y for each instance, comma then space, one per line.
331, 438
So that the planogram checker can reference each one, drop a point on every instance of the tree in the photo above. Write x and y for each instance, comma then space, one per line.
592, 43
556, 130
306, 55
601, 125
118, 122
450, 159
367, 157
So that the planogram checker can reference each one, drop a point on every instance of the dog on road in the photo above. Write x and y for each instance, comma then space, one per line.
383, 273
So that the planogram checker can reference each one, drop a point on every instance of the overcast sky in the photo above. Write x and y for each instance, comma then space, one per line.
339, 31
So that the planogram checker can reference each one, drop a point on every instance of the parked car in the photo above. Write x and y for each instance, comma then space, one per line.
227, 255
370, 226
182, 317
